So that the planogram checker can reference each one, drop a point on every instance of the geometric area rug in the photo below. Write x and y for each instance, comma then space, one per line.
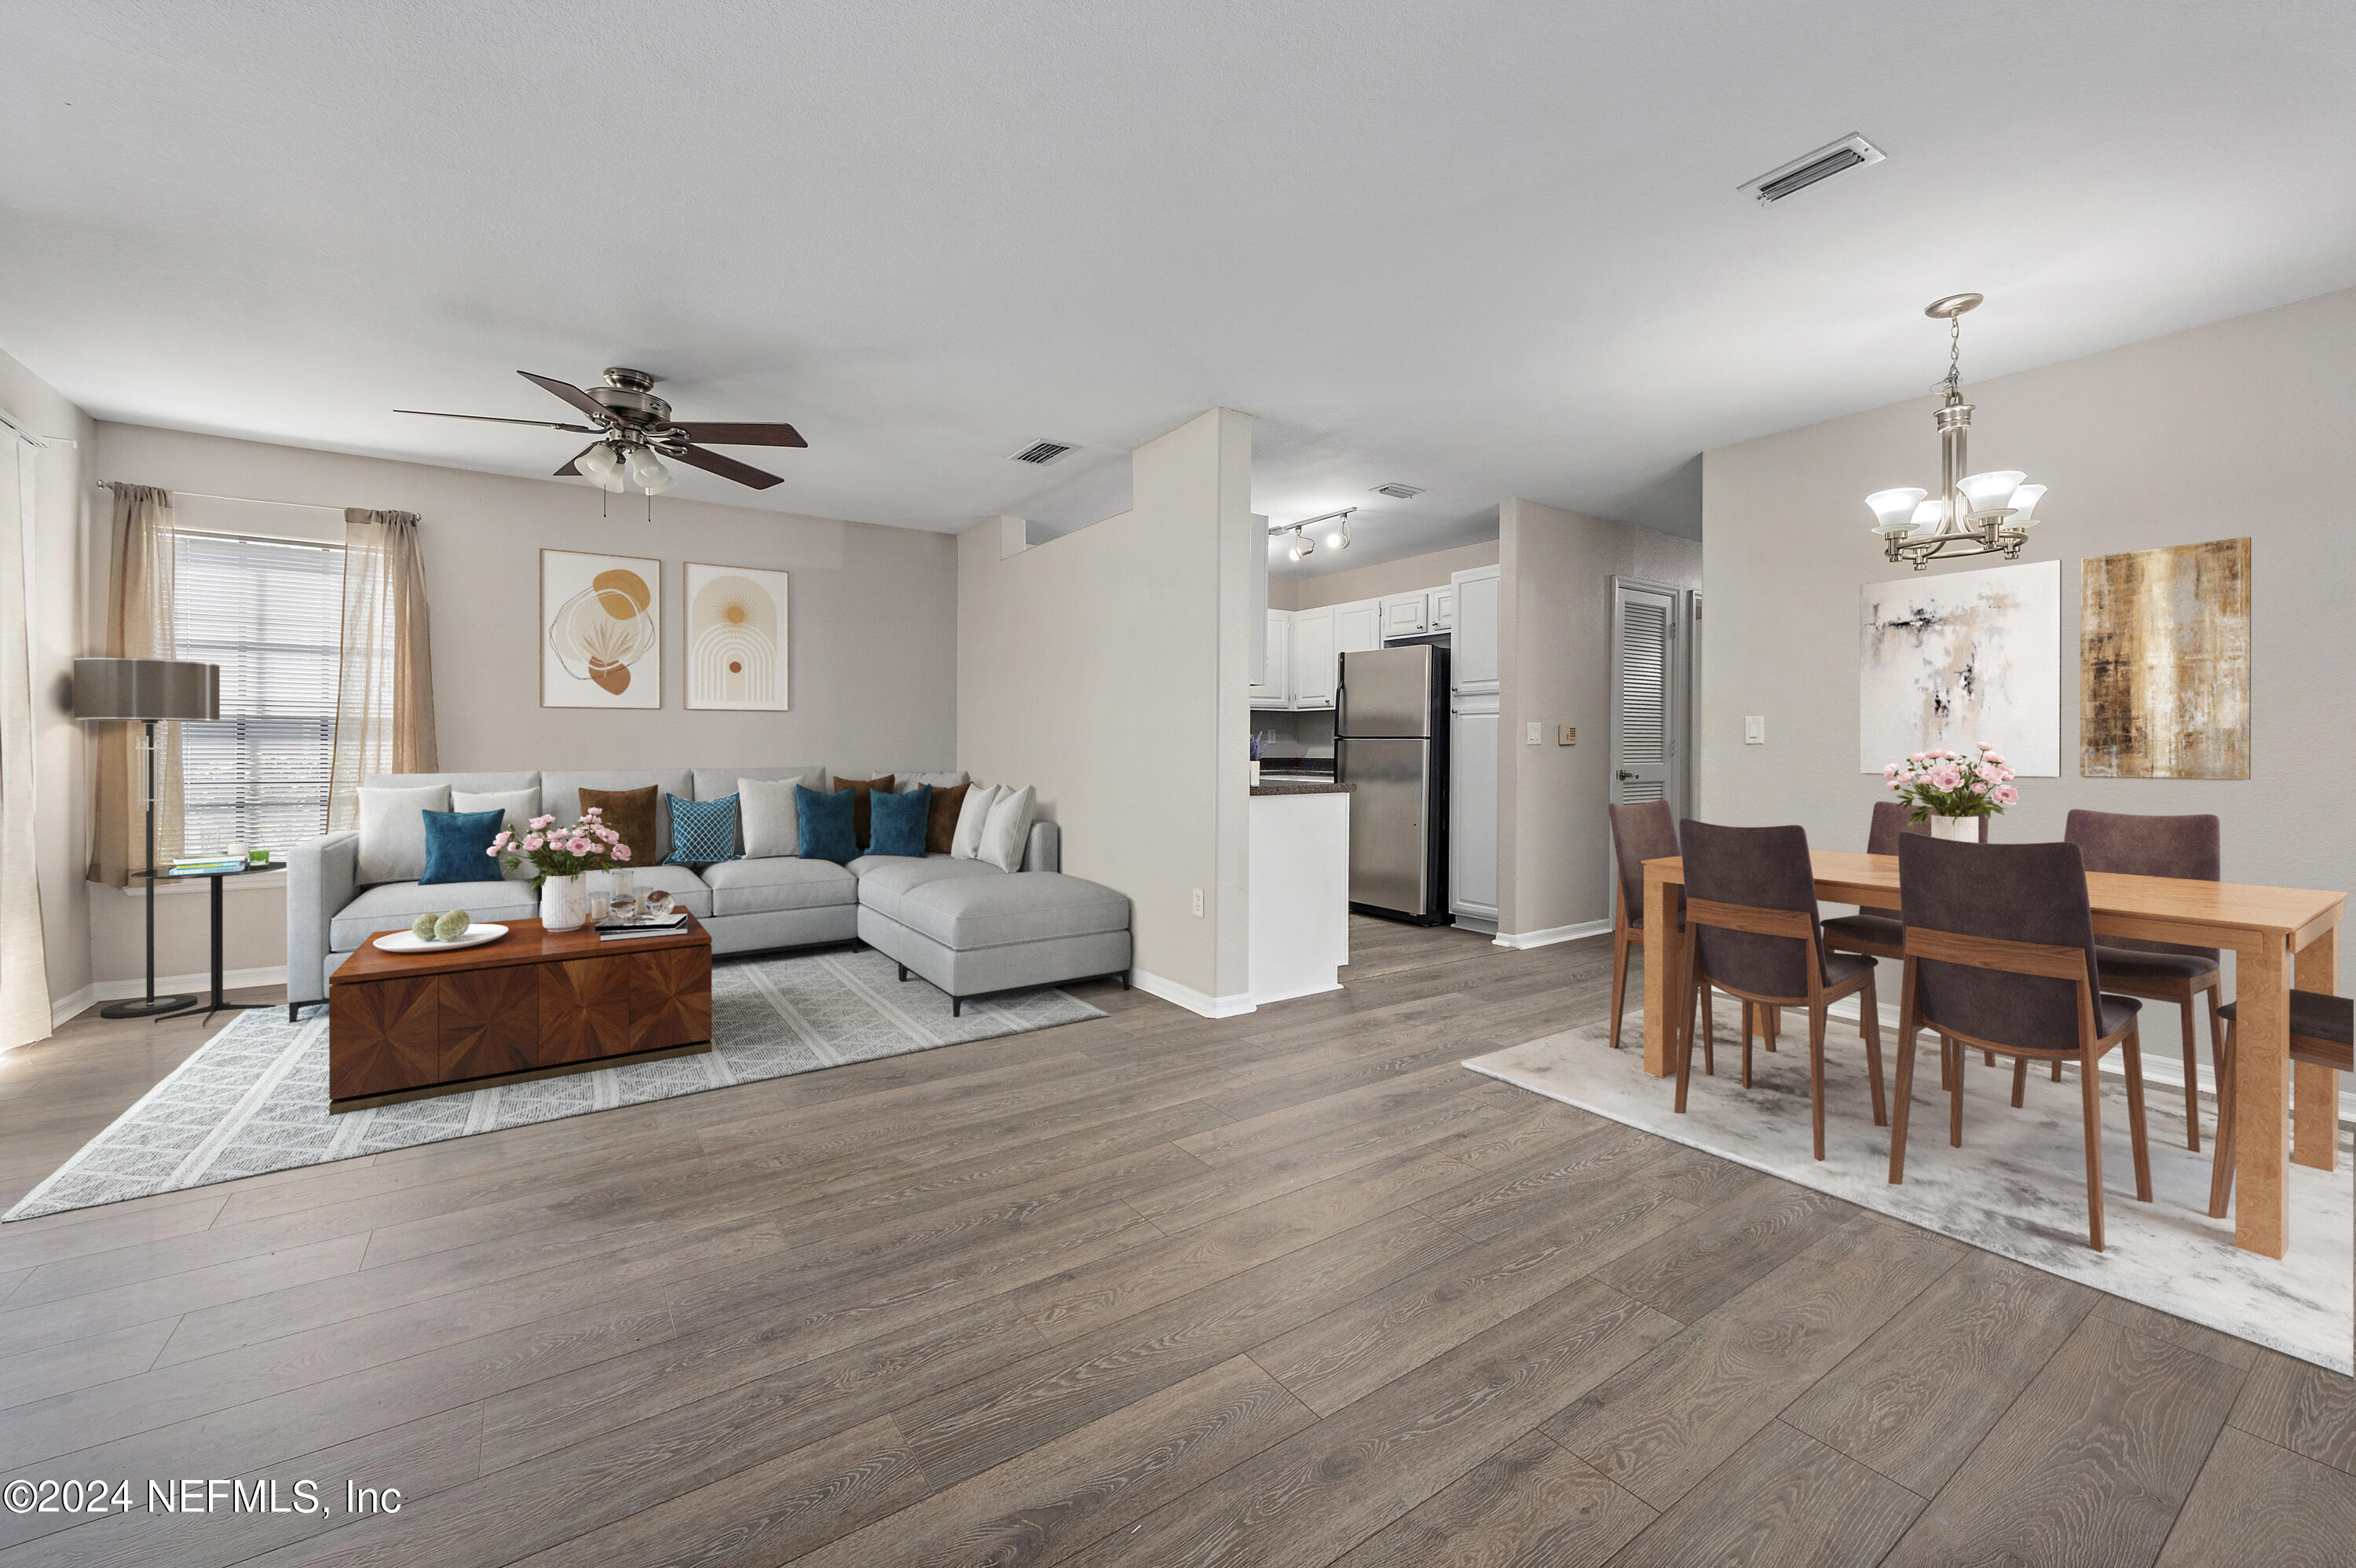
2018, 1185
255, 1098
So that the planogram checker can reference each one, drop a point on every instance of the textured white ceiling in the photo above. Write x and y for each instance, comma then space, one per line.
1488, 249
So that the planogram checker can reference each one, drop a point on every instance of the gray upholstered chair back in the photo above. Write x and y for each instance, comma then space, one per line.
2019, 892
1882, 838
1764, 867
1640, 833
2125, 843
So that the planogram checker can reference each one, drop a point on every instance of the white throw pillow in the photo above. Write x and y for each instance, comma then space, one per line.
769, 819
392, 831
904, 782
965, 844
1009, 830
521, 805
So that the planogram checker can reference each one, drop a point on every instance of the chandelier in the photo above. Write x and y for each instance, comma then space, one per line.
1989, 513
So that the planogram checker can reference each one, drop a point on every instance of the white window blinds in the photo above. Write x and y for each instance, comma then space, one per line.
270, 613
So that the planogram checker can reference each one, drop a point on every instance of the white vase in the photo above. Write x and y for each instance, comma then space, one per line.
564, 903
1961, 829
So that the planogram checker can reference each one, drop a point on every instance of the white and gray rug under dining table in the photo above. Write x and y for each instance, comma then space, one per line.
2018, 1185
255, 1098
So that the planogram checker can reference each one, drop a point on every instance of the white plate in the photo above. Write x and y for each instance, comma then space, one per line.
406, 941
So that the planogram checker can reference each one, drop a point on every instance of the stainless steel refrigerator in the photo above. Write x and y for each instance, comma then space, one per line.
1390, 739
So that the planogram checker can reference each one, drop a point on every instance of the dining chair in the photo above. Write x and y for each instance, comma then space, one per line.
1639, 833
2322, 1034
1752, 930
1880, 932
2000, 958
2182, 847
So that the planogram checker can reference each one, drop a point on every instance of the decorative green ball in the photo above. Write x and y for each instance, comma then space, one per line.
451, 926
422, 928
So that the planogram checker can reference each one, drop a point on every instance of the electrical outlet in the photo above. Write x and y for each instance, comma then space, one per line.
1536, 732
1198, 903
1754, 729
1565, 734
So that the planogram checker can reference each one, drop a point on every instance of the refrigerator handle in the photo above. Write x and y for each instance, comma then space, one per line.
1338, 743
1341, 704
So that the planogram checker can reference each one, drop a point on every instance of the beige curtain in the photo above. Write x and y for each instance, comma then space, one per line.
384, 692
24, 965
138, 626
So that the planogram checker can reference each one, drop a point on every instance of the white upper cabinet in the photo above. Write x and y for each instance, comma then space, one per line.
1357, 626
1443, 609
1312, 657
1473, 643
1276, 689
1406, 614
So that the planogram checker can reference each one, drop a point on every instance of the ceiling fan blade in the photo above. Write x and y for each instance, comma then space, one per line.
570, 394
568, 471
494, 419
726, 467
743, 435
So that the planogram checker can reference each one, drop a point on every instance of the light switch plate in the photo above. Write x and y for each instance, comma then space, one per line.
1536, 730
1199, 902
1754, 729
1565, 734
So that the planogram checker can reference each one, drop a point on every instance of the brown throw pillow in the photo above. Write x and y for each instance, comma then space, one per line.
940, 826
631, 813
859, 789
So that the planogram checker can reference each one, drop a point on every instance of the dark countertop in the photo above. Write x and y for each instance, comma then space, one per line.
1269, 785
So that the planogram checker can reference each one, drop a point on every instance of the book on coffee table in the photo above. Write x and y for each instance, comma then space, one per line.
613, 930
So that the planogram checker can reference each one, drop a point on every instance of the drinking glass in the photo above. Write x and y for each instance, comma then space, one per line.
658, 903
624, 904
600, 907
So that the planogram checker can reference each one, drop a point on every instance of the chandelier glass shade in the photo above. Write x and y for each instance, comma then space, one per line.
1986, 513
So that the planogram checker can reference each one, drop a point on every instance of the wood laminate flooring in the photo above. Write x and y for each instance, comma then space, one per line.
1291, 1288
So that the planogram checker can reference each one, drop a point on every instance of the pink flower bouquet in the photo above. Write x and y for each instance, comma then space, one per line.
1949, 784
587, 845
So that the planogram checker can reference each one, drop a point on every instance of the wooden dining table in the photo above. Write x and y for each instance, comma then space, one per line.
2281, 936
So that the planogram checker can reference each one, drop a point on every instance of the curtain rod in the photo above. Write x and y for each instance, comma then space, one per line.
245, 500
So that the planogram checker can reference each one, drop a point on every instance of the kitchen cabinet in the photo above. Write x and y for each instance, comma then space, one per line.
1475, 666
1405, 614
1312, 657
1473, 733
1275, 689
1443, 609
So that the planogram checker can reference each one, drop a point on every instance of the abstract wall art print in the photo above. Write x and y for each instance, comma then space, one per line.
2164, 662
600, 633
1965, 656
735, 638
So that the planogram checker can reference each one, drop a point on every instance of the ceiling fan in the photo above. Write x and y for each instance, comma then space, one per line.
633, 426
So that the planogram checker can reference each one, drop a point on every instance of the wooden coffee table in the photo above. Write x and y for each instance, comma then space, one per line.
402, 1026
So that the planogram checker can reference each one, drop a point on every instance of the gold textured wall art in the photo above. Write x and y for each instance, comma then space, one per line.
601, 635
2164, 662
735, 638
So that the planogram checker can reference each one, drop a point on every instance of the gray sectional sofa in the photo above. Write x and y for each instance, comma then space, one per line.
964, 925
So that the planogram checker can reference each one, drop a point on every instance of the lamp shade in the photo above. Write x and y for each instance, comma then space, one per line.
600, 466
2024, 506
649, 472
1929, 515
1893, 509
146, 689
1990, 492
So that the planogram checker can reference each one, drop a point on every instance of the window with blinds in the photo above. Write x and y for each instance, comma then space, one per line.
270, 613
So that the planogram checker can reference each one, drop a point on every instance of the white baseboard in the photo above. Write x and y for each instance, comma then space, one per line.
66, 1007
1552, 935
202, 984
1193, 1000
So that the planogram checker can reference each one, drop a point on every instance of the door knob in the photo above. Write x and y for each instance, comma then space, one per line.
1626, 776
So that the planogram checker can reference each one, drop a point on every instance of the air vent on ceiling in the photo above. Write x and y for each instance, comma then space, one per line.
1851, 152
1400, 491
1039, 454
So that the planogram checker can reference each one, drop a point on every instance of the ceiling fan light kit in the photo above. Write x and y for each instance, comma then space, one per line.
1989, 513
635, 431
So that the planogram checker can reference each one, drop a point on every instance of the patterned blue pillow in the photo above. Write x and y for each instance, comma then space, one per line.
702, 832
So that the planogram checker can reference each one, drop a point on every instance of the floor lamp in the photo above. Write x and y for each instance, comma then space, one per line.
148, 691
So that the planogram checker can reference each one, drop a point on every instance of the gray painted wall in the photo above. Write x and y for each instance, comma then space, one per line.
2242, 427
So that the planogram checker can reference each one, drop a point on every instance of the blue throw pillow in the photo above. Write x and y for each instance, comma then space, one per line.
895, 823
825, 821
459, 846
702, 832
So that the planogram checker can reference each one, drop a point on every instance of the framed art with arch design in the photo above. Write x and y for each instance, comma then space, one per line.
735, 640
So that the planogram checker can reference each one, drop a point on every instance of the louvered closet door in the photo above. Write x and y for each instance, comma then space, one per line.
1643, 694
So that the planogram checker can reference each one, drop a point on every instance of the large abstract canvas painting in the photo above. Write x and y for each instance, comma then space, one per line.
735, 638
601, 636
1955, 660
2164, 662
